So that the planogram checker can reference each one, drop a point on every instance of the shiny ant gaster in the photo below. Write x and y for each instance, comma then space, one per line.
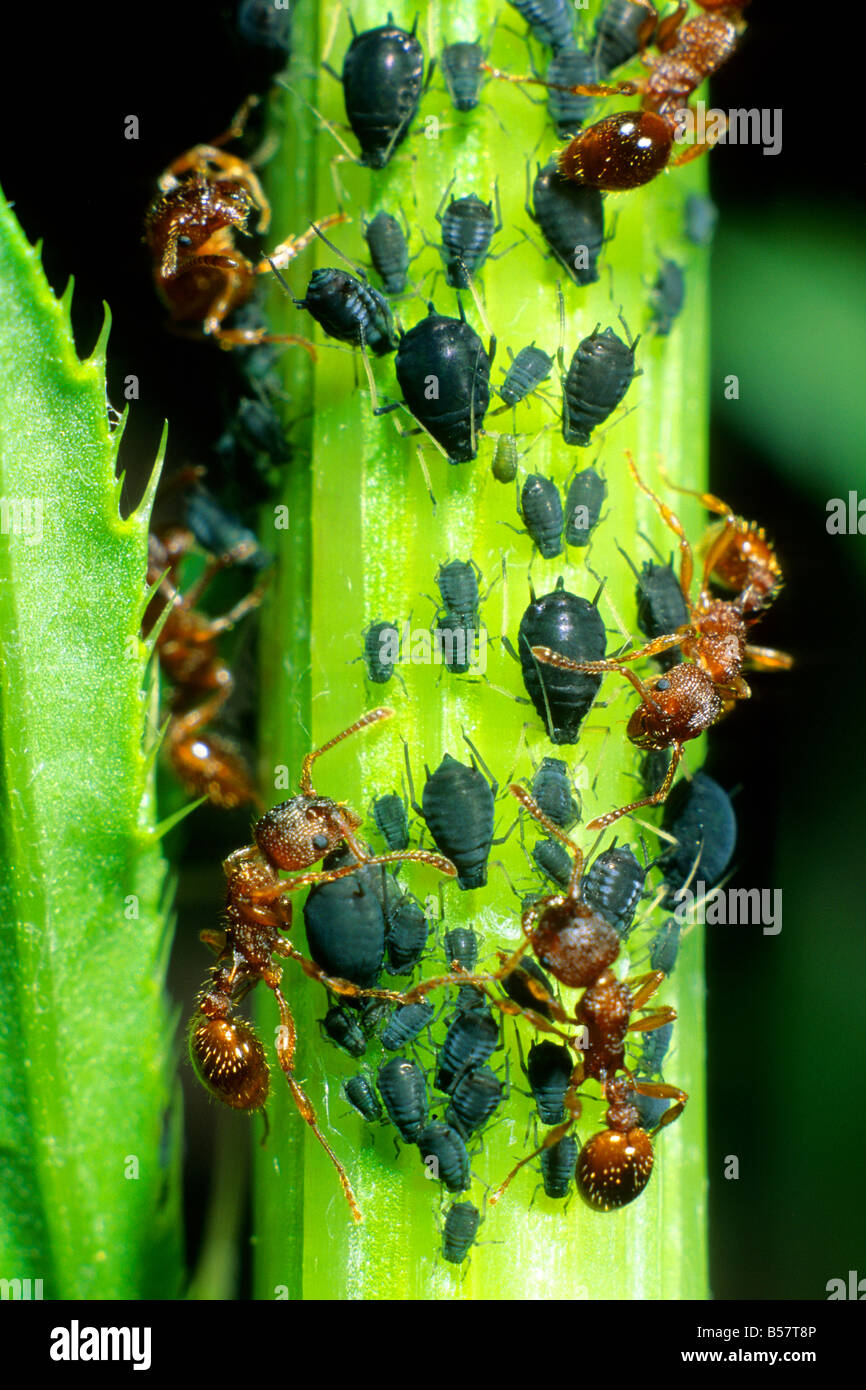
688, 699
225, 1052
205, 197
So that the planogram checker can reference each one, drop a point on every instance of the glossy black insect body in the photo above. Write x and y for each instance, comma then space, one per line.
570, 217
552, 792
407, 932
473, 1100
570, 68
583, 506
667, 296
505, 459
461, 68
557, 1167
346, 929
613, 885
380, 647
573, 627
457, 804
665, 945
220, 533
389, 251
622, 29
391, 820
661, 606
551, 21
700, 816
468, 1043
405, 1025
541, 508
528, 370
461, 1228
360, 1093
444, 374
468, 226
350, 310
383, 75
344, 1031
404, 1091
549, 1068
444, 1155
601, 371
553, 860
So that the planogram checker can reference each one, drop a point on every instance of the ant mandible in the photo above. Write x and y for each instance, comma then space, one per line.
205, 196
186, 642
685, 701
629, 148
225, 1051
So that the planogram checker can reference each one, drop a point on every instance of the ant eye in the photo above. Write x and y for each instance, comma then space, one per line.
184, 241
320, 842
663, 685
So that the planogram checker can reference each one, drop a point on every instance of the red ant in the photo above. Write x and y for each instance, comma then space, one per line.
206, 764
205, 196
578, 945
738, 555
225, 1052
629, 148
685, 701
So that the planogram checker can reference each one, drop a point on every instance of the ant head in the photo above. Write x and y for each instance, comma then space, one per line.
573, 942
299, 832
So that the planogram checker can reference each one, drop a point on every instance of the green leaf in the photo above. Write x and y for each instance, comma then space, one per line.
89, 1131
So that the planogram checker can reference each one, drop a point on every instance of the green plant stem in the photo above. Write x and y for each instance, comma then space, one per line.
364, 543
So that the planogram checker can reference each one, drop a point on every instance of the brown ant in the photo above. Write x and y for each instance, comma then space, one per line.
225, 1051
206, 764
205, 197
629, 148
738, 555
685, 701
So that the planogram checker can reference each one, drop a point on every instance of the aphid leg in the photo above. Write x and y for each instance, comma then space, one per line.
286, 1041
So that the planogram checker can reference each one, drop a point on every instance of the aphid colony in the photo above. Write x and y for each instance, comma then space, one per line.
367, 933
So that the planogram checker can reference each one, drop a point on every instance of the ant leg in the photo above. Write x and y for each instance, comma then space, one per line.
337, 986
293, 246
373, 716
286, 1041
551, 658
589, 89
768, 659
552, 829
662, 1091
673, 522
602, 822
695, 151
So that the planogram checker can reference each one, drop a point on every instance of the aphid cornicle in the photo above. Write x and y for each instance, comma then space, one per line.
444, 374
383, 76
601, 371
568, 624
571, 220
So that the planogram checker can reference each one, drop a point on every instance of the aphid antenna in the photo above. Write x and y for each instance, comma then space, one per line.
329, 125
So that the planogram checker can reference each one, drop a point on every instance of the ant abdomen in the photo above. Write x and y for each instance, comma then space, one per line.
614, 1167
229, 1060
